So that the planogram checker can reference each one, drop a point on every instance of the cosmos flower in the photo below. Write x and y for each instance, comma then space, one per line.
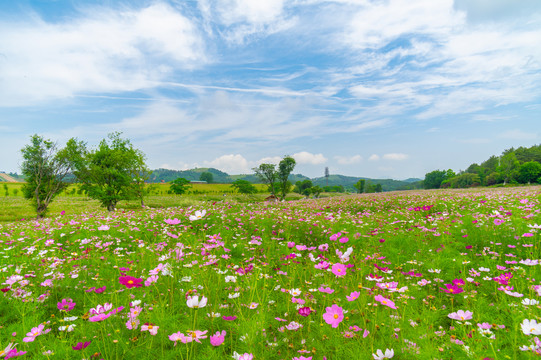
334, 315
198, 215
379, 355
218, 338
461, 315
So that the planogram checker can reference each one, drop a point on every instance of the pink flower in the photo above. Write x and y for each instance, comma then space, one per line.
197, 335
35, 332
339, 269
385, 301
334, 315
99, 317
130, 281
302, 358
179, 336
354, 295
132, 323
452, 289
152, 329
217, 339
305, 311
81, 345
246, 356
326, 290
65, 305
461, 315
174, 221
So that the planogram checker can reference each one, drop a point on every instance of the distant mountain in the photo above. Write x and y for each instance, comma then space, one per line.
347, 182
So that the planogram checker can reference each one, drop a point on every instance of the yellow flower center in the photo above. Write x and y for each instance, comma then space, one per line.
336, 316
130, 282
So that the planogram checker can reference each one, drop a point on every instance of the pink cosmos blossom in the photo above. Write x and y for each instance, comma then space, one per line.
151, 328
305, 311
66, 305
217, 339
461, 315
246, 356
99, 317
302, 358
452, 289
353, 296
104, 228
151, 280
174, 221
81, 345
339, 269
334, 315
326, 290
130, 281
35, 332
132, 323
385, 301
180, 337
197, 335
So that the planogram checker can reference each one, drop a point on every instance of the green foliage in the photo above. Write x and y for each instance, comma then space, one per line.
108, 173
285, 167
45, 168
529, 172
359, 185
207, 176
179, 186
463, 181
268, 174
316, 191
434, 179
302, 187
243, 187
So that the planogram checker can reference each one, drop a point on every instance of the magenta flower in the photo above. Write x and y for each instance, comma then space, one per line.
99, 317
326, 290
452, 289
385, 301
66, 305
151, 328
229, 318
339, 269
334, 315
217, 339
81, 345
130, 281
302, 358
305, 311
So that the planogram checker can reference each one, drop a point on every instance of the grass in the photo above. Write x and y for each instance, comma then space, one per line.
271, 272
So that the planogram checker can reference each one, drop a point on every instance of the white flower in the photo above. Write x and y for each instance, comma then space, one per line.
193, 302
230, 278
295, 292
187, 279
527, 301
233, 296
198, 215
379, 355
214, 315
68, 328
530, 327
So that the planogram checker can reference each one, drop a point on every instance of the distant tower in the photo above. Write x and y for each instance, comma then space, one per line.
327, 175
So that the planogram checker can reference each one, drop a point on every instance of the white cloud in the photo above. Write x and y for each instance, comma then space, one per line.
101, 50
269, 160
231, 164
395, 156
348, 160
374, 157
305, 157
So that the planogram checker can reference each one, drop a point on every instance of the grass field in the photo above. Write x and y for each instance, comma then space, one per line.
406, 275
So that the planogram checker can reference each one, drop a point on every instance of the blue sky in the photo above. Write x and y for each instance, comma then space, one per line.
381, 89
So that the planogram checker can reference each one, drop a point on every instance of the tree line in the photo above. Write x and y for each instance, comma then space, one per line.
115, 171
513, 166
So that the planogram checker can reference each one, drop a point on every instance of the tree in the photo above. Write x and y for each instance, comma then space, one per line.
243, 186
140, 177
285, 167
179, 186
360, 186
45, 168
267, 173
302, 187
529, 172
207, 176
107, 173
378, 188
434, 179
316, 191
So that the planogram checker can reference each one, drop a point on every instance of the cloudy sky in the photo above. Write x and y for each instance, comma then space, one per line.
375, 88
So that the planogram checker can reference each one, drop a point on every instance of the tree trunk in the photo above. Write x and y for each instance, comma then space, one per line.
111, 207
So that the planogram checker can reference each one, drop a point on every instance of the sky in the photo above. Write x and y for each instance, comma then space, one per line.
371, 88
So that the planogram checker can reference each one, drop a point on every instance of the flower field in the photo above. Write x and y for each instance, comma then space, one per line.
408, 275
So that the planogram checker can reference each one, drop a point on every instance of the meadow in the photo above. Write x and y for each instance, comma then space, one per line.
405, 275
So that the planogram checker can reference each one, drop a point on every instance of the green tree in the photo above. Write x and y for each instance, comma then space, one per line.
359, 185
243, 186
378, 188
207, 176
268, 174
107, 173
285, 167
45, 168
316, 191
140, 187
510, 167
6, 191
434, 179
179, 186
302, 187
529, 172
